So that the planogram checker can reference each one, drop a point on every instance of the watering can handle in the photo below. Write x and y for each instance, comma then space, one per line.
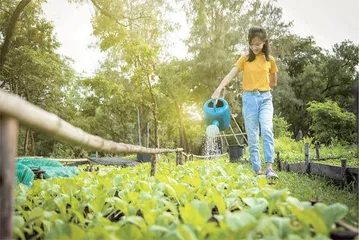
215, 104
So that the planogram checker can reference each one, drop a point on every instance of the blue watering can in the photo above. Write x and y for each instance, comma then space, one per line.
218, 115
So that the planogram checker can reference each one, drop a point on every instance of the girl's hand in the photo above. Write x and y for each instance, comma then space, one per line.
216, 94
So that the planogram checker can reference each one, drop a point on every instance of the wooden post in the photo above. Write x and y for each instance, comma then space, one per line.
177, 158
343, 171
180, 153
317, 155
191, 157
8, 149
278, 162
154, 164
306, 157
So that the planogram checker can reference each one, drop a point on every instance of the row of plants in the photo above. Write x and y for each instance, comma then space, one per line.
198, 200
293, 151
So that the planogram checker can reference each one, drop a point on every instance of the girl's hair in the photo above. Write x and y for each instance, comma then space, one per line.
261, 33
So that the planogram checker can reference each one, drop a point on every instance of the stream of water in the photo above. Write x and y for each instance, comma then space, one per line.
211, 147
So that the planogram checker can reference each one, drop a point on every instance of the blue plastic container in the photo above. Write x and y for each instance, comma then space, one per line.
218, 115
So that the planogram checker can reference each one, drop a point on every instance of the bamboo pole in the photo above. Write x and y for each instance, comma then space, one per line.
225, 137
235, 121
8, 148
68, 160
209, 156
229, 135
37, 118
234, 135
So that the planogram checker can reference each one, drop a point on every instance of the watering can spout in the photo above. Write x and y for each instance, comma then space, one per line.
217, 113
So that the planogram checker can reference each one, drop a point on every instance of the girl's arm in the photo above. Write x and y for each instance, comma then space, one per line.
224, 82
273, 80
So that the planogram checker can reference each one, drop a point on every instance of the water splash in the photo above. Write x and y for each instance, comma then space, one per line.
211, 147
212, 131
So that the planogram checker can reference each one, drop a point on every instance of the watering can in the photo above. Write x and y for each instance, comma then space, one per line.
217, 114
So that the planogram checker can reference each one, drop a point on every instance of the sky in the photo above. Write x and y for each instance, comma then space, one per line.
328, 21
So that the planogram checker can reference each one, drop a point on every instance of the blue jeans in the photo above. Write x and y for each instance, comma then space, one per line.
257, 110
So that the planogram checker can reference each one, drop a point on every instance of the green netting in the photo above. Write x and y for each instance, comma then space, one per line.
24, 174
60, 172
38, 162
52, 168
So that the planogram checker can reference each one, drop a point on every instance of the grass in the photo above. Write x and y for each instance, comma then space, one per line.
306, 188
309, 187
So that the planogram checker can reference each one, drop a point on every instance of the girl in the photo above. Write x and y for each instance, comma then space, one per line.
260, 75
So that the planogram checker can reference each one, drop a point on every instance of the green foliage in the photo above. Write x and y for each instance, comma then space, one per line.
138, 73
33, 69
280, 127
199, 200
312, 74
217, 38
330, 121
292, 151
311, 187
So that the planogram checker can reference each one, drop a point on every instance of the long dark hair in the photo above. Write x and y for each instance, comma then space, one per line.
261, 33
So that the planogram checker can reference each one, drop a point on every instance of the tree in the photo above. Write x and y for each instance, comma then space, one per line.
312, 75
219, 34
8, 36
339, 73
174, 82
33, 69
131, 32
331, 122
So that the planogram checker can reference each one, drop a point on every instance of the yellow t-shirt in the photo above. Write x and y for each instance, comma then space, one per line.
256, 73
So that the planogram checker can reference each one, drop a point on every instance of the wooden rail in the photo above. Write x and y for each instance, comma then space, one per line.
36, 118
15, 110
189, 157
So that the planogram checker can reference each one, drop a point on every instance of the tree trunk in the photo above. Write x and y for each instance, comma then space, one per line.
8, 35
139, 127
183, 136
147, 134
155, 113
155, 116
33, 144
26, 142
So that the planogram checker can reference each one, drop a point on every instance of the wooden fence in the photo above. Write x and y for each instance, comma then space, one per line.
14, 110
343, 174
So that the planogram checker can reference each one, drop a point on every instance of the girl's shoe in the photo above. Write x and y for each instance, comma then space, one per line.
270, 173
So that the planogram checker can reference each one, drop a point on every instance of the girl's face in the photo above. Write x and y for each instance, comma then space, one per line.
256, 45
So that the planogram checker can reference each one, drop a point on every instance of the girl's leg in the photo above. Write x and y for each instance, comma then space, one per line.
266, 123
251, 122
